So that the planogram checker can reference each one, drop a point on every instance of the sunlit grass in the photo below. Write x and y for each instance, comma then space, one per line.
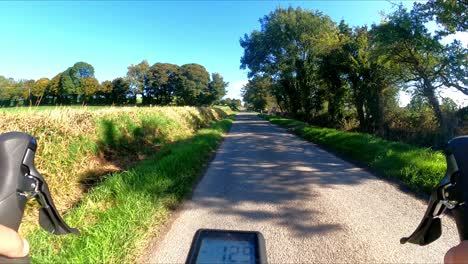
117, 217
420, 168
78, 147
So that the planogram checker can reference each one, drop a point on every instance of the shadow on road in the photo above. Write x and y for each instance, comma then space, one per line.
266, 167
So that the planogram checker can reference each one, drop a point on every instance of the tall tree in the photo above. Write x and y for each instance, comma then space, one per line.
286, 49
56, 88
90, 87
161, 84
450, 14
71, 82
39, 89
138, 76
191, 80
331, 70
105, 91
371, 81
120, 90
215, 91
423, 61
27, 87
7, 90
257, 93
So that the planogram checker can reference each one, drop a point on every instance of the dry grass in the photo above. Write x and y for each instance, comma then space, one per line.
79, 146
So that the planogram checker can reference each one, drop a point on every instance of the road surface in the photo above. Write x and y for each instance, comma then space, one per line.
310, 205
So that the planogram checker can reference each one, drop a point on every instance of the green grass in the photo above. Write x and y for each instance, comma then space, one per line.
77, 148
117, 217
419, 168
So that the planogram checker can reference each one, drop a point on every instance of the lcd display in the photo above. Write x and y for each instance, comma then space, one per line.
220, 250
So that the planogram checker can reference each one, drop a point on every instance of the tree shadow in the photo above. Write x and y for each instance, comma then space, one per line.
121, 146
258, 169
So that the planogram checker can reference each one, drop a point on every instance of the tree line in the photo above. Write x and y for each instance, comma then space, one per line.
330, 74
159, 84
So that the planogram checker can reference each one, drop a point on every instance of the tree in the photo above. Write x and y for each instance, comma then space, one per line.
27, 87
120, 91
371, 82
423, 62
161, 83
234, 104
332, 67
80, 71
70, 88
56, 88
286, 49
104, 93
451, 14
90, 86
215, 91
256, 93
138, 76
39, 89
7, 90
191, 80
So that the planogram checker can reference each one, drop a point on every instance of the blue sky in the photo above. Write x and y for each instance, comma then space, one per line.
40, 39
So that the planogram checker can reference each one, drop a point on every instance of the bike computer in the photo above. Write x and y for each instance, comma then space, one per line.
227, 246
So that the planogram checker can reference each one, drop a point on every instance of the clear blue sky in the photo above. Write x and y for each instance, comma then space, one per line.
40, 39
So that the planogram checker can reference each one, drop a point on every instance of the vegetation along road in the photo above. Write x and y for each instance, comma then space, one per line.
310, 205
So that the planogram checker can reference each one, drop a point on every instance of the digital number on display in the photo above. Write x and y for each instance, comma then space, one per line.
226, 251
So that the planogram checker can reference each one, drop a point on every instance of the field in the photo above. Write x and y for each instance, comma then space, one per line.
419, 168
35, 109
115, 173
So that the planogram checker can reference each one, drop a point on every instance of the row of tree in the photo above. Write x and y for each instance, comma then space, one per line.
234, 104
327, 73
159, 84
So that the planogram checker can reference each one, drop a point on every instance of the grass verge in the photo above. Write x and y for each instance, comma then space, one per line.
116, 217
419, 168
79, 147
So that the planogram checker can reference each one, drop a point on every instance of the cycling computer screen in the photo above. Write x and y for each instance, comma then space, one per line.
226, 246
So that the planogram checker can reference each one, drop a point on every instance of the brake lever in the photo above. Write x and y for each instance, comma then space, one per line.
35, 187
20, 181
450, 194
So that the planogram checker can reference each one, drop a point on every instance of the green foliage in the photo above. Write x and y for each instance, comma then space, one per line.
160, 84
451, 14
422, 61
191, 81
421, 169
233, 104
138, 77
215, 91
120, 89
257, 95
120, 214
329, 74
287, 49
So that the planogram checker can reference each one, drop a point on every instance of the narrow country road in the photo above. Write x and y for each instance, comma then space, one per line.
310, 205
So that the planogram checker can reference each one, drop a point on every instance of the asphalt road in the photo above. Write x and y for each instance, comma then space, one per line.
310, 205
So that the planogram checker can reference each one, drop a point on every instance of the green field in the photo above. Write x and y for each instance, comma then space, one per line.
419, 168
